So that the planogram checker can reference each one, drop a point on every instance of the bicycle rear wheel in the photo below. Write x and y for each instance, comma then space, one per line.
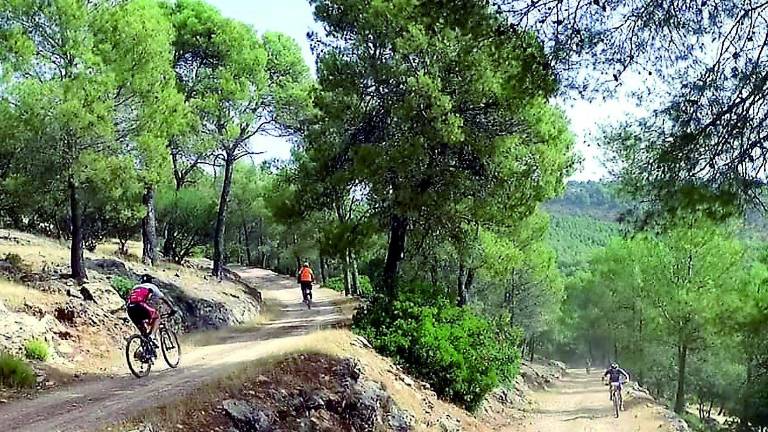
169, 345
137, 357
616, 402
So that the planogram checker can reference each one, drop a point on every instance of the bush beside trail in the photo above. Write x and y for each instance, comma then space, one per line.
15, 373
364, 285
460, 354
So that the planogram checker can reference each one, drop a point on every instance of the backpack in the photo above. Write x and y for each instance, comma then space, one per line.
305, 275
140, 294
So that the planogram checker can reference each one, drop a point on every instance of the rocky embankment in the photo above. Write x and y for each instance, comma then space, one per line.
84, 325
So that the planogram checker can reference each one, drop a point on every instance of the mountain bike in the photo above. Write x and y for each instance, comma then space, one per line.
306, 294
616, 398
140, 350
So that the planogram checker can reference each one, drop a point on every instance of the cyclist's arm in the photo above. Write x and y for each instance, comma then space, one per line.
623, 372
168, 303
159, 294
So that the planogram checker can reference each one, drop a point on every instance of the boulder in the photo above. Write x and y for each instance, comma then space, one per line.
103, 295
6, 267
110, 266
248, 418
449, 424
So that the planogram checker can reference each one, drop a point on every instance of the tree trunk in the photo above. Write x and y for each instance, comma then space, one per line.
347, 274
531, 348
169, 243
398, 228
247, 245
465, 287
123, 247
76, 227
682, 353
355, 279
460, 283
149, 228
322, 269
433, 273
221, 217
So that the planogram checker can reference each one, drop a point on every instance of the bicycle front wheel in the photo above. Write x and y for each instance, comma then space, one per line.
616, 402
169, 345
137, 356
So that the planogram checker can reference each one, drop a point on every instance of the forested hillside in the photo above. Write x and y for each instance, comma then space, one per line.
597, 199
583, 219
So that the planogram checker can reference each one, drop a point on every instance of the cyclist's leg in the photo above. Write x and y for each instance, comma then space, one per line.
153, 322
138, 316
621, 396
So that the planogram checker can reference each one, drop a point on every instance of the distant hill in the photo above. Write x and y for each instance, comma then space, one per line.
586, 217
582, 220
591, 198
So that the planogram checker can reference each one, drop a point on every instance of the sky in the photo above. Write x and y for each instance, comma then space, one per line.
294, 18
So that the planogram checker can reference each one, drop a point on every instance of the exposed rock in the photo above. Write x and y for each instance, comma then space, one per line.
407, 380
248, 418
110, 266
103, 295
78, 313
678, 424
74, 293
17, 328
6, 267
29, 278
361, 342
144, 428
449, 424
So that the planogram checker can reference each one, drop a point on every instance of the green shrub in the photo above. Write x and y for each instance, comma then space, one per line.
460, 354
363, 284
335, 283
14, 372
122, 285
36, 349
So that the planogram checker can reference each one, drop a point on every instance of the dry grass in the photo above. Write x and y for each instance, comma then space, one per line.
112, 248
38, 255
15, 295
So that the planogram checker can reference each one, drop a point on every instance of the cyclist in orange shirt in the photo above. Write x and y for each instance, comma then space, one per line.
305, 278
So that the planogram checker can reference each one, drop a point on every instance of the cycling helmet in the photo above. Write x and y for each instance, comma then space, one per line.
614, 365
306, 264
146, 278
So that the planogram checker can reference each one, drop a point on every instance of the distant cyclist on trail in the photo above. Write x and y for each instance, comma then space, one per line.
614, 374
140, 307
305, 278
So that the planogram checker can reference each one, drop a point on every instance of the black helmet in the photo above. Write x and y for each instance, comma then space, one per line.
146, 278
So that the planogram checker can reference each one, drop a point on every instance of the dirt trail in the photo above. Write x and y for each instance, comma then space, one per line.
579, 403
91, 405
